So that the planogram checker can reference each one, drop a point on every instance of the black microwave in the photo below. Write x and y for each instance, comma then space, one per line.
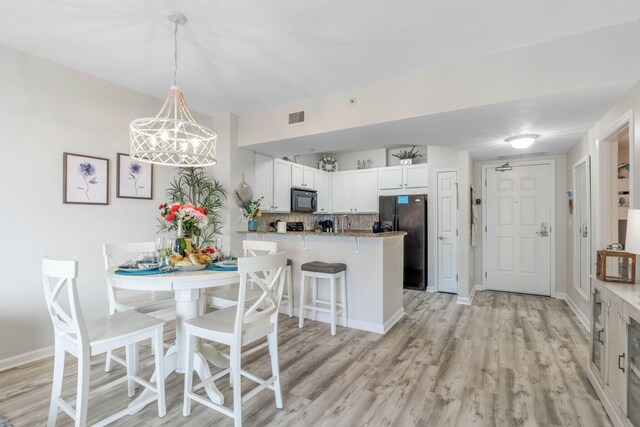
303, 200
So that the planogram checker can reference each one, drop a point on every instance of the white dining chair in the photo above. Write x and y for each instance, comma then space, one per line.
222, 298
86, 339
238, 326
151, 303
227, 297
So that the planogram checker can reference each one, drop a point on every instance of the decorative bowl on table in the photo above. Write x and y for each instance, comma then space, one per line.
192, 267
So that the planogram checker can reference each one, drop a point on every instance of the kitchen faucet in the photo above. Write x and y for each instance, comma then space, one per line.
345, 219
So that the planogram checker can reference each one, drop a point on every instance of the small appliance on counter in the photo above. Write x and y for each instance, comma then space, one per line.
281, 227
376, 227
295, 226
327, 226
274, 225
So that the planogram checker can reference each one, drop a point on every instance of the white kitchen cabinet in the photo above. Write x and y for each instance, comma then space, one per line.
355, 191
391, 178
302, 177
263, 186
281, 186
615, 382
415, 176
398, 179
322, 180
342, 192
366, 191
272, 183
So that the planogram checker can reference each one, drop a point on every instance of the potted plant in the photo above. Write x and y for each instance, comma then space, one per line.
192, 190
406, 156
251, 211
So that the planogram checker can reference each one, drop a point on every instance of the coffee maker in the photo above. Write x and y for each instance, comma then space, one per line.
327, 226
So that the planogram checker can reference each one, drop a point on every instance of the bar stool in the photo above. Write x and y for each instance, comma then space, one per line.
321, 270
287, 297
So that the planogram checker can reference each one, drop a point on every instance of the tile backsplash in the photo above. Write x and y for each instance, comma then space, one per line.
358, 222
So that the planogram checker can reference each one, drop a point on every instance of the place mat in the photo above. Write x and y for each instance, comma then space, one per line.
213, 267
4, 422
142, 272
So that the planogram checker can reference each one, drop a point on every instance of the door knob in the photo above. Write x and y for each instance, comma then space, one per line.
544, 230
441, 237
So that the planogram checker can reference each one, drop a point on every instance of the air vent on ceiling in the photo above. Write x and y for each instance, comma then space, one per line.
297, 117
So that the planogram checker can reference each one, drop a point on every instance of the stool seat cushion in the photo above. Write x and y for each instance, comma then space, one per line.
324, 267
289, 262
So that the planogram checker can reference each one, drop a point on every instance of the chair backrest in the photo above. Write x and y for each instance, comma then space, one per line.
56, 275
112, 250
267, 272
259, 247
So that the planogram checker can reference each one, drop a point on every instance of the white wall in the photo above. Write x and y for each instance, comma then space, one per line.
46, 110
573, 63
349, 161
589, 145
560, 218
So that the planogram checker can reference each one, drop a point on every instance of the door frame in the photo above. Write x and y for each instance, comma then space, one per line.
575, 240
436, 251
552, 220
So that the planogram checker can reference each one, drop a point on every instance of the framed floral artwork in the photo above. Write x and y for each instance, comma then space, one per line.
85, 179
134, 178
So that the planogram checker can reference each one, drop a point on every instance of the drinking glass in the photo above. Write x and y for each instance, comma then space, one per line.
217, 246
170, 245
160, 244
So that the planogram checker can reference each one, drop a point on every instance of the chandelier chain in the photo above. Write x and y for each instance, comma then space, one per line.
175, 53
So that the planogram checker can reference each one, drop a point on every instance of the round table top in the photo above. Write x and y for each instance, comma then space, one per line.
179, 280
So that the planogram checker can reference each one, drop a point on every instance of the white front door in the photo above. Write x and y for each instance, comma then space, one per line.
518, 256
447, 232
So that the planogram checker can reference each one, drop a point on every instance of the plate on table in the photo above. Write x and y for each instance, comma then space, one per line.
227, 264
194, 267
138, 266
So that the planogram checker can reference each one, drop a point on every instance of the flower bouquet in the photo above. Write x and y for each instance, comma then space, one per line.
187, 220
251, 211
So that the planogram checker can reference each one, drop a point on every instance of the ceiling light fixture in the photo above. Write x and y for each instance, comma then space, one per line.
520, 142
173, 137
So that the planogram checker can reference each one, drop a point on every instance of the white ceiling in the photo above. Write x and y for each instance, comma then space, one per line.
561, 120
246, 55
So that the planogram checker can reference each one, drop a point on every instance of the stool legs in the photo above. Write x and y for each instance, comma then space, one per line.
303, 282
289, 291
344, 299
332, 300
314, 298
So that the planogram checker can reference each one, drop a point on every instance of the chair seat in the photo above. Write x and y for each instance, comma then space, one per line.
218, 326
138, 301
231, 294
119, 325
323, 267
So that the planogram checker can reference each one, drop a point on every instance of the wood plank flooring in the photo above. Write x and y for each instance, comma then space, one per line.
507, 360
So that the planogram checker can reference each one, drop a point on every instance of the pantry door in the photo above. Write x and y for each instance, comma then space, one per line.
518, 229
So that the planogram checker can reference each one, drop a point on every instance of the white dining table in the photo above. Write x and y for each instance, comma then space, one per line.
186, 287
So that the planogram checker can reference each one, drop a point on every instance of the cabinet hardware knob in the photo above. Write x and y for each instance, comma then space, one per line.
598, 337
621, 367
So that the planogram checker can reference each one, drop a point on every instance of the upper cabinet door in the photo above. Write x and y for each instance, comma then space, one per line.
390, 178
342, 193
321, 181
263, 187
308, 178
416, 176
366, 191
297, 176
281, 186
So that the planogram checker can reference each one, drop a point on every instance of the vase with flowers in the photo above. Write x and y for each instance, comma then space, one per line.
251, 211
187, 220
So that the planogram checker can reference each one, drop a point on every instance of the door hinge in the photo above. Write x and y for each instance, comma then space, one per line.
485, 182
456, 231
485, 228
485, 274
456, 277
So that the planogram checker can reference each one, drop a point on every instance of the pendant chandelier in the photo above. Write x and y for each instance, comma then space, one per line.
173, 137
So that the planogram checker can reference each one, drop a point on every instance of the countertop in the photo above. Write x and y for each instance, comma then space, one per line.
347, 233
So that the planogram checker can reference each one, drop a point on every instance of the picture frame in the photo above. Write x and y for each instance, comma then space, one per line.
85, 179
134, 179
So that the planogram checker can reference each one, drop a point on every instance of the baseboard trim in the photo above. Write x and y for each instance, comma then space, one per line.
393, 320
561, 295
584, 320
469, 300
24, 358
431, 288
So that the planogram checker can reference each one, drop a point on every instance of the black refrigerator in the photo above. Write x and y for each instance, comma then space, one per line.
409, 213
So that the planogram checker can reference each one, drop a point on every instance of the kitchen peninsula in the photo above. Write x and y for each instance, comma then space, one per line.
374, 271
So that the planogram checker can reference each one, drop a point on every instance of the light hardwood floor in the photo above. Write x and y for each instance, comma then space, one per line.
507, 360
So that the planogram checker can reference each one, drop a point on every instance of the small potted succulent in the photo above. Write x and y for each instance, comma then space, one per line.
406, 156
